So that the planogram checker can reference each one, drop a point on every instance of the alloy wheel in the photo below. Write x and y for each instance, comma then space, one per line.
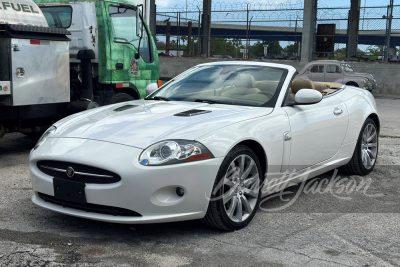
369, 146
241, 188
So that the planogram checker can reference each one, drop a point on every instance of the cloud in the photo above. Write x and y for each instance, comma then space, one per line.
165, 3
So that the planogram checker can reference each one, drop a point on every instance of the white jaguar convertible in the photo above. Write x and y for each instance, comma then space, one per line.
207, 145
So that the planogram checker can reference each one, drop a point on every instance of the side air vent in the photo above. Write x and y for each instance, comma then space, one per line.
192, 112
125, 107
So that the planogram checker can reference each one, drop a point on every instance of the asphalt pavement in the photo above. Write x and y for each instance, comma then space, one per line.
320, 227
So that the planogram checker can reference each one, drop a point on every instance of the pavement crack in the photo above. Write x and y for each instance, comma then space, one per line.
305, 255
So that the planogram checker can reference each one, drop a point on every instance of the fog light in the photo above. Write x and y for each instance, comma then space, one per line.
180, 192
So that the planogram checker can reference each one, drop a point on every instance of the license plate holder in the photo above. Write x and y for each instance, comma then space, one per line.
69, 190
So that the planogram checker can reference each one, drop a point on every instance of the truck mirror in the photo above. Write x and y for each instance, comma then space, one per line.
138, 31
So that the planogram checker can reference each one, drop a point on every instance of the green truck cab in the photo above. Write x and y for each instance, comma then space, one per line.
125, 55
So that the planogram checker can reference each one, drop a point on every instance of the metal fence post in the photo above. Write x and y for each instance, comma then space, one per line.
348, 37
198, 33
247, 35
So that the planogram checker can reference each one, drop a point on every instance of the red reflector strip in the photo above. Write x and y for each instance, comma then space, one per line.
35, 42
199, 157
122, 85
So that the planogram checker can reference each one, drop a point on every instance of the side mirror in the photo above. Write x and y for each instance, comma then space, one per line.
151, 88
138, 32
308, 96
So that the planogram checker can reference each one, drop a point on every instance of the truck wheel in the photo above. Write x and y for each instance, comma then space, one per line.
121, 97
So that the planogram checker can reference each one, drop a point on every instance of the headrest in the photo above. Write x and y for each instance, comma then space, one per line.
302, 84
246, 81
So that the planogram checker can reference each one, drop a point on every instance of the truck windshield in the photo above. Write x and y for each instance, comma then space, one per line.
58, 16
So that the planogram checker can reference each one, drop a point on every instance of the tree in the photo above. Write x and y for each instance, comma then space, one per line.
257, 50
292, 49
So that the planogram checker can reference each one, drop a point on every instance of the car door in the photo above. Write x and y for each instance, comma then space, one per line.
333, 73
126, 67
317, 131
316, 73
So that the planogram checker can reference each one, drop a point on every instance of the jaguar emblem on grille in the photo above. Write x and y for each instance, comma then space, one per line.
70, 172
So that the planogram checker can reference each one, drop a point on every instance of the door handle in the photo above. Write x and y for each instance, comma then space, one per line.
287, 136
337, 111
20, 72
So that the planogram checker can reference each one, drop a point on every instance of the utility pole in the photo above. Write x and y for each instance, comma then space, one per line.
189, 41
167, 42
206, 28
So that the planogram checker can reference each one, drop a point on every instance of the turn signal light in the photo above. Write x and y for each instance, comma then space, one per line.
200, 157
159, 82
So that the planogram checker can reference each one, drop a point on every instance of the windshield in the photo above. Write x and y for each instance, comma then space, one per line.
226, 84
58, 16
347, 67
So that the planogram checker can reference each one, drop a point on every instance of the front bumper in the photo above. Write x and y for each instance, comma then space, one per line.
147, 190
371, 85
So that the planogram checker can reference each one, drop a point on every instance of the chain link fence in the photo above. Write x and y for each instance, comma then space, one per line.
274, 31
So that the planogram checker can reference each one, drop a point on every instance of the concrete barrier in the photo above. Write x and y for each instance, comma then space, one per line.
387, 75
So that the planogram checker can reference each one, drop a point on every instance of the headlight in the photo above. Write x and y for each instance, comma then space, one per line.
45, 136
173, 152
365, 81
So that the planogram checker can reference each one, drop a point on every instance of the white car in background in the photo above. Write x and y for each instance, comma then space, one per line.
206, 145
337, 72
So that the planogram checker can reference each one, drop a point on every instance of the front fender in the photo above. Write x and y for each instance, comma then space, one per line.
267, 130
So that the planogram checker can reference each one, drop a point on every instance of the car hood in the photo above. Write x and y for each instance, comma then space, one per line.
151, 121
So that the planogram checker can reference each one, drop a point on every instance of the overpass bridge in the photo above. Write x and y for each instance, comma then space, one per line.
275, 33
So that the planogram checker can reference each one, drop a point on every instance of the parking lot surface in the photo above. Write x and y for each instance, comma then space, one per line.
318, 229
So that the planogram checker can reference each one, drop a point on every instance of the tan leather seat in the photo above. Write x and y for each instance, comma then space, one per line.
244, 85
267, 86
321, 86
302, 84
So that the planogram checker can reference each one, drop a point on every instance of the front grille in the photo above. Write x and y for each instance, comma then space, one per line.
90, 207
82, 173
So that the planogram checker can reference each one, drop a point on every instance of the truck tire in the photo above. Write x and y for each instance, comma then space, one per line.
121, 97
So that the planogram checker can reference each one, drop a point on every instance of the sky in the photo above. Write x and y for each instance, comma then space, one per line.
165, 4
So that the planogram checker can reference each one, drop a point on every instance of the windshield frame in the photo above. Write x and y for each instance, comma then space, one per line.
345, 66
270, 103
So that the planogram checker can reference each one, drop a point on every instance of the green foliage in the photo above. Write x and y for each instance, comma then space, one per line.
257, 50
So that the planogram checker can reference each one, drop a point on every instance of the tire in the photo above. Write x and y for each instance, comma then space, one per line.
352, 84
357, 163
246, 191
121, 97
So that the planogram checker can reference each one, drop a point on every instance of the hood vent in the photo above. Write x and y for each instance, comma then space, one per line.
192, 112
125, 107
